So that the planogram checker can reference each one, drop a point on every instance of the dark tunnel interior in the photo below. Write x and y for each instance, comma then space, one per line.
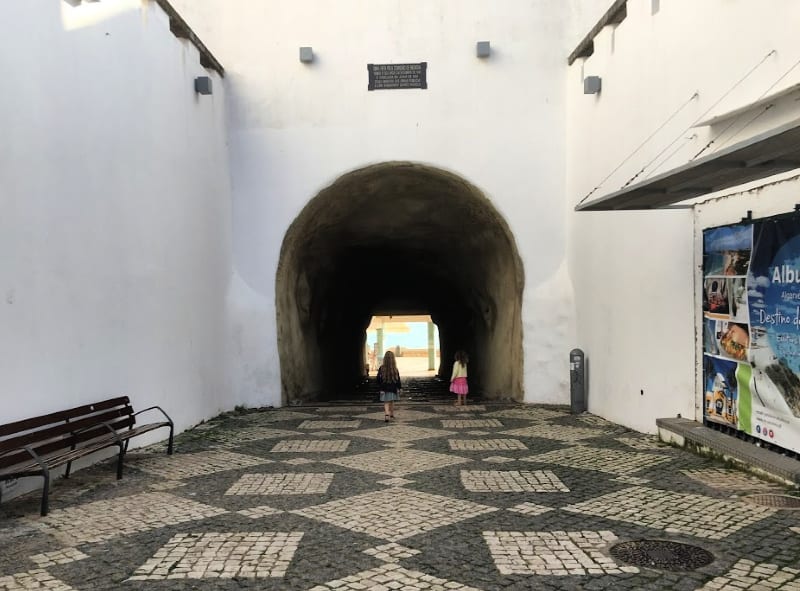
392, 239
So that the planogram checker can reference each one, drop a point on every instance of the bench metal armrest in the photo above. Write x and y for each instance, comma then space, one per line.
169, 420
105, 424
36, 457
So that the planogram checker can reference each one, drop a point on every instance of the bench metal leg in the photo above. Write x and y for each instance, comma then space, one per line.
69, 468
119, 461
171, 437
45, 492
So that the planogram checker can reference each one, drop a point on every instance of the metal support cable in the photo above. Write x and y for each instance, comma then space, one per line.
766, 107
701, 117
640, 146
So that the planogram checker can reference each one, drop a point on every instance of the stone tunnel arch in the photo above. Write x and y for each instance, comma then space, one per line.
397, 238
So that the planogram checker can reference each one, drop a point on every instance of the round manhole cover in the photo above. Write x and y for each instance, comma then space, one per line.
661, 554
777, 501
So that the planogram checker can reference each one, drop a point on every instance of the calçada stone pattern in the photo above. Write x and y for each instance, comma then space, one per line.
484, 497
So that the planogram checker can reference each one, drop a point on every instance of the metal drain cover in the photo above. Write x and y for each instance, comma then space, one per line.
661, 554
779, 501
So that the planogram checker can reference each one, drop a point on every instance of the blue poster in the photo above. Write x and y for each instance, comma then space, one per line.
774, 308
751, 328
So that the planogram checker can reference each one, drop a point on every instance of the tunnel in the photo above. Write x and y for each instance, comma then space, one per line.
397, 238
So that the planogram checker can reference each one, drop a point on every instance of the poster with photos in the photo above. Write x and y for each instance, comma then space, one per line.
751, 328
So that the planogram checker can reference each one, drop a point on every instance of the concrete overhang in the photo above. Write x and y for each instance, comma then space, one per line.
761, 156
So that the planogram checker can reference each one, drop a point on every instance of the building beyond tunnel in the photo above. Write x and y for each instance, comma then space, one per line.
204, 202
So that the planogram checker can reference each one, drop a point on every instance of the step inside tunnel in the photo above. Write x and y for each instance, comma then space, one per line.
395, 239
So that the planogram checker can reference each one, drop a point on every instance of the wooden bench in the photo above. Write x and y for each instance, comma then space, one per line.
34, 446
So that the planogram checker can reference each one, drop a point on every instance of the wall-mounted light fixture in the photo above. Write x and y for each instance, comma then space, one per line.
483, 49
591, 85
306, 55
202, 85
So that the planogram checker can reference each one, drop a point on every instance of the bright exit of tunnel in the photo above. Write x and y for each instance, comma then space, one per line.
397, 239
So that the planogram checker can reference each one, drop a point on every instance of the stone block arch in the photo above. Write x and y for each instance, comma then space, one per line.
397, 238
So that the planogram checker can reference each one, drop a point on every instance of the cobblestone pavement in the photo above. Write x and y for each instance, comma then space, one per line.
482, 497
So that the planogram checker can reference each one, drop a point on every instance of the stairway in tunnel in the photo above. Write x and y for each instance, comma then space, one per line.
415, 389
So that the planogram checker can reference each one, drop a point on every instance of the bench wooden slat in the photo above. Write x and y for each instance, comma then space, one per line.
63, 432
56, 417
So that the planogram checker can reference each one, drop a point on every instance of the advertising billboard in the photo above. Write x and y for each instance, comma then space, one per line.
751, 328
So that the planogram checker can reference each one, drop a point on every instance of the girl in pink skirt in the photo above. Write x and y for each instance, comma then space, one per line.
458, 381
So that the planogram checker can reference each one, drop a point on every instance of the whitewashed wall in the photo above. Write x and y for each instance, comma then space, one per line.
637, 312
295, 128
115, 223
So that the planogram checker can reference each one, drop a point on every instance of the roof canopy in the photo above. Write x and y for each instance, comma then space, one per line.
761, 156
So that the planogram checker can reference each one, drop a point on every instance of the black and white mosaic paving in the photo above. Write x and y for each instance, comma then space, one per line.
484, 497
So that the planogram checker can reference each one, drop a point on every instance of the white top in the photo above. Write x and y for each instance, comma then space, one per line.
459, 371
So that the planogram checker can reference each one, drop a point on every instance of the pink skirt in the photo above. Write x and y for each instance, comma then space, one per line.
459, 386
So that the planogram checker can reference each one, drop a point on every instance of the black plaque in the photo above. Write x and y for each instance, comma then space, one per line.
392, 76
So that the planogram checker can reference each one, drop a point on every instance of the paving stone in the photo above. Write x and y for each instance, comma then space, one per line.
498, 460
392, 576
259, 512
556, 432
227, 439
730, 480
311, 446
275, 416
401, 415
528, 413
329, 425
103, 520
394, 514
746, 574
391, 552
400, 433
403, 505
33, 579
673, 512
553, 553
485, 444
511, 481
646, 443
611, 461
353, 410
459, 409
195, 464
399, 462
222, 555
63, 556
281, 484
299, 461
530, 509
469, 423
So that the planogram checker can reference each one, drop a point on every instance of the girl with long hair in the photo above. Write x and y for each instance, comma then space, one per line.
389, 383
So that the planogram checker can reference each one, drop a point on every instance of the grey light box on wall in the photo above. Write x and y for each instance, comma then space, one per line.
591, 85
202, 85
483, 49
306, 55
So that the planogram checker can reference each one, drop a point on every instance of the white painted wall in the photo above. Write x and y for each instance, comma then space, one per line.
636, 273
129, 266
295, 128
115, 224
